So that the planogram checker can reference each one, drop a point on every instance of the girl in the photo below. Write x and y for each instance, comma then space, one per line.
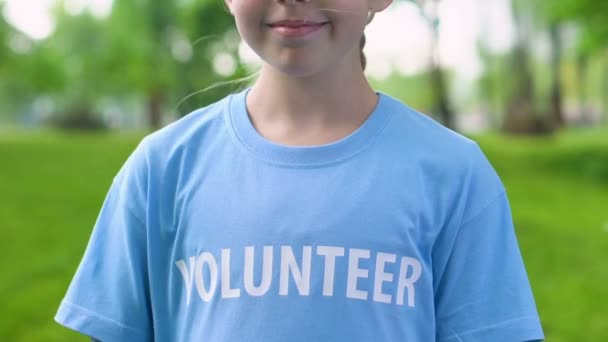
306, 208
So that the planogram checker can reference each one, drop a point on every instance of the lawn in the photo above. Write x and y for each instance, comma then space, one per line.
53, 184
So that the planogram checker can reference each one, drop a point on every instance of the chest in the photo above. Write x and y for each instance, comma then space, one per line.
335, 207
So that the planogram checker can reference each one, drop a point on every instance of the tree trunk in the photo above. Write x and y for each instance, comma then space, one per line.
155, 100
604, 88
582, 62
520, 107
520, 115
556, 112
441, 105
441, 98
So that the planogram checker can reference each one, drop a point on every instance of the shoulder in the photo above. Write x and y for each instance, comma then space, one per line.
422, 136
419, 140
445, 160
175, 143
193, 128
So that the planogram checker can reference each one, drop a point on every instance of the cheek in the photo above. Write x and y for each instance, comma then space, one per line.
248, 14
349, 16
249, 24
353, 10
348, 31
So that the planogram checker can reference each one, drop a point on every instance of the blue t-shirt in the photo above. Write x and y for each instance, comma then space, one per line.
400, 231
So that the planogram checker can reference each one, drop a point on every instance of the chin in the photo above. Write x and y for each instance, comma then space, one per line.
300, 68
296, 71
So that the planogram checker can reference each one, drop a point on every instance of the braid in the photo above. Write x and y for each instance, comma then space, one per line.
361, 46
363, 40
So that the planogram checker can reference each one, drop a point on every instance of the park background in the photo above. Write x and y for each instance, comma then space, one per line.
83, 81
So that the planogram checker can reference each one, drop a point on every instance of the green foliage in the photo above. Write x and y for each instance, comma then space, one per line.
212, 29
495, 84
131, 54
79, 43
4, 31
141, 60
589, 15
37, 69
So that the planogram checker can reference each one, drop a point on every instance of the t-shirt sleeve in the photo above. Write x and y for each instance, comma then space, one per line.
108, 298
482, 292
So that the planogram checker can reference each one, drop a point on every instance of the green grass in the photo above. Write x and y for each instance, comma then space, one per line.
558, 188
53, 184
51, 188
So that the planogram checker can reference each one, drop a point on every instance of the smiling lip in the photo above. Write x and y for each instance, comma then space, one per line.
296, 23
296, 28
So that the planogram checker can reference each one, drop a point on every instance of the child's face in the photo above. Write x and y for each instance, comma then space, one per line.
300, 52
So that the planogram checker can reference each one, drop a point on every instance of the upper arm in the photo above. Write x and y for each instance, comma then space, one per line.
482, 292
109, 295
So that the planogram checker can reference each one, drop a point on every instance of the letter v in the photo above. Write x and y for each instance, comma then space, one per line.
188, 275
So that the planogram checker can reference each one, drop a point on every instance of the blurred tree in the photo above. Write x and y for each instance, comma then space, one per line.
153, 53
4, 49
429, 11
534, 96
215, 44
493, 84
522, 115
29, 69
546, 13
76, 46
556, 110
590, 16
138, 59
5, 56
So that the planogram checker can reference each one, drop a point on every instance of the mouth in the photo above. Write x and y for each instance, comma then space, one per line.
294, 24
297, 29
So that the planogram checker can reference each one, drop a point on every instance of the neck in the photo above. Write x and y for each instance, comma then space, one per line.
338, 99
